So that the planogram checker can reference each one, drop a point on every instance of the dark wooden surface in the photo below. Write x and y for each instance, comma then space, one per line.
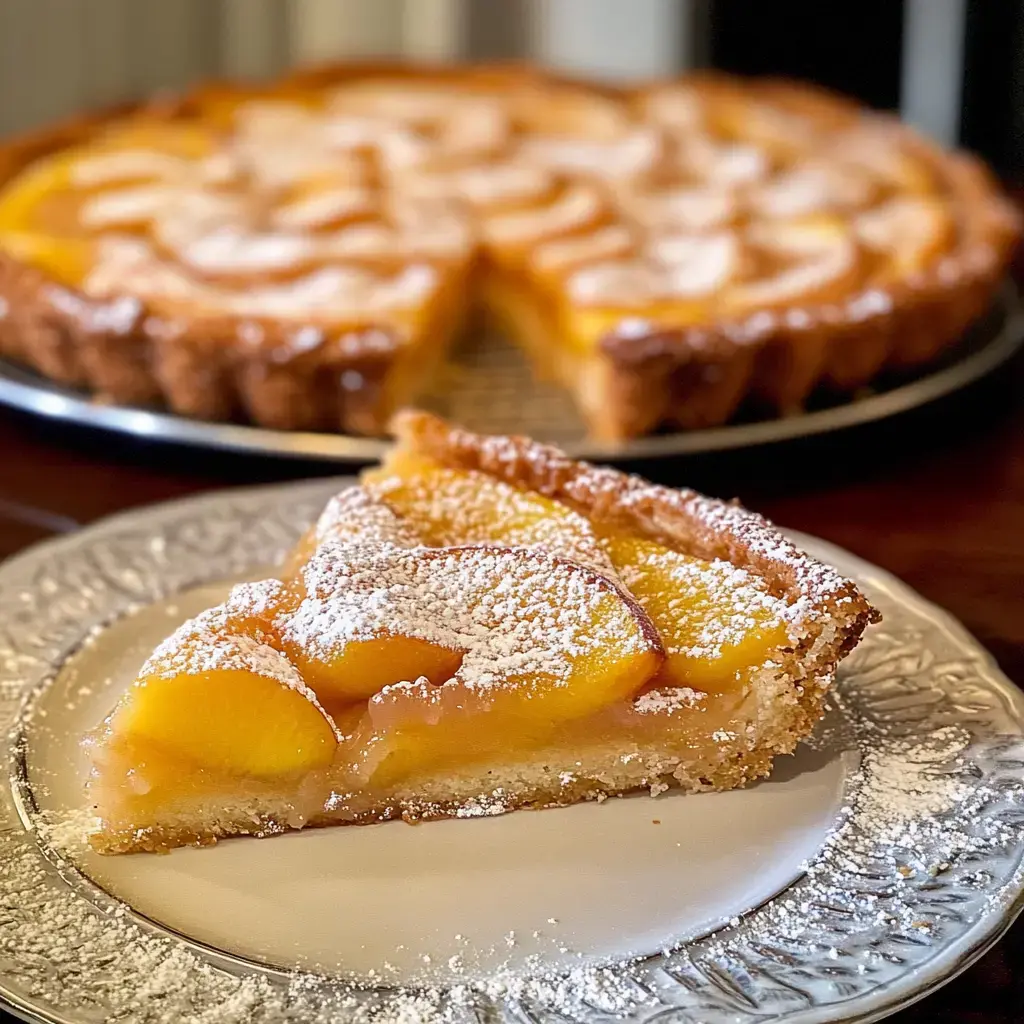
937, 498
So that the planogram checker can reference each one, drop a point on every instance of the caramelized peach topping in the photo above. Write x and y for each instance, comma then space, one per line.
717, 622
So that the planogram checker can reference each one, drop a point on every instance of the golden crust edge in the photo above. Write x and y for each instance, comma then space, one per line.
681, 518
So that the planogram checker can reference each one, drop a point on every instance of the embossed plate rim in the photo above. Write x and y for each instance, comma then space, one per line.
26, 391
291, 503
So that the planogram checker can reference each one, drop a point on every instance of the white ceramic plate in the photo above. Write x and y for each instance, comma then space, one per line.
872, 866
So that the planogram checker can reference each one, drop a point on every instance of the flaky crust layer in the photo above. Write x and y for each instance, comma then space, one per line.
638, 380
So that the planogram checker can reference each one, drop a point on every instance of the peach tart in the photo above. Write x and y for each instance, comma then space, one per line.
480, 625
302, 254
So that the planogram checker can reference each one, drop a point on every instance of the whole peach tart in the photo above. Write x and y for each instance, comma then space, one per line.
302, 254
480, 625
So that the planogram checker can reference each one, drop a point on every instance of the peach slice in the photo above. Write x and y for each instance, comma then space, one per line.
67, 259
514, 631
354, 516
906, 234
41, 215
717, 622
414, 502
46, 197
366, 667
453, 507
46, 183
254, 609
226, 703
397, 738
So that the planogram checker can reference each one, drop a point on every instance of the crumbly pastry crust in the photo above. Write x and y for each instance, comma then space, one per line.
641, 377
786, 699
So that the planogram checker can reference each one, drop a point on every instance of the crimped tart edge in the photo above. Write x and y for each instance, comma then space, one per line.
642, 377
277, 374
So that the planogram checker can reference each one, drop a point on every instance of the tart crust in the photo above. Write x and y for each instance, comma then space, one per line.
641, 376
785, 699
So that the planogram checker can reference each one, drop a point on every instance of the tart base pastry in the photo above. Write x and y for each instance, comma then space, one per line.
301, 255
481, 625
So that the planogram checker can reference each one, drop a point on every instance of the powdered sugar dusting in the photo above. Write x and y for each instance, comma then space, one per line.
256, 600
213, 641
356, 516
474, 508
821, 581
814, 591
194, 649
514, 613
716, 604
667, 701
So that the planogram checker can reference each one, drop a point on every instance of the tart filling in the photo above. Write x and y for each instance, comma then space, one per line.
453, 639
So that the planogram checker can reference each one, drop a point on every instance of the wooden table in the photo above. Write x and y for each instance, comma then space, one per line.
937, 498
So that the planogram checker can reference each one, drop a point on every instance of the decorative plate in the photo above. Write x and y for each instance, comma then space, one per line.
488, 387
875, 864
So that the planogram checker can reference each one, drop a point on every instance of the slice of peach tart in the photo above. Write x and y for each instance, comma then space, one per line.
482, 624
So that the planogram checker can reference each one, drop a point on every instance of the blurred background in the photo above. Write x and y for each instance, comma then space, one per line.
953, 67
